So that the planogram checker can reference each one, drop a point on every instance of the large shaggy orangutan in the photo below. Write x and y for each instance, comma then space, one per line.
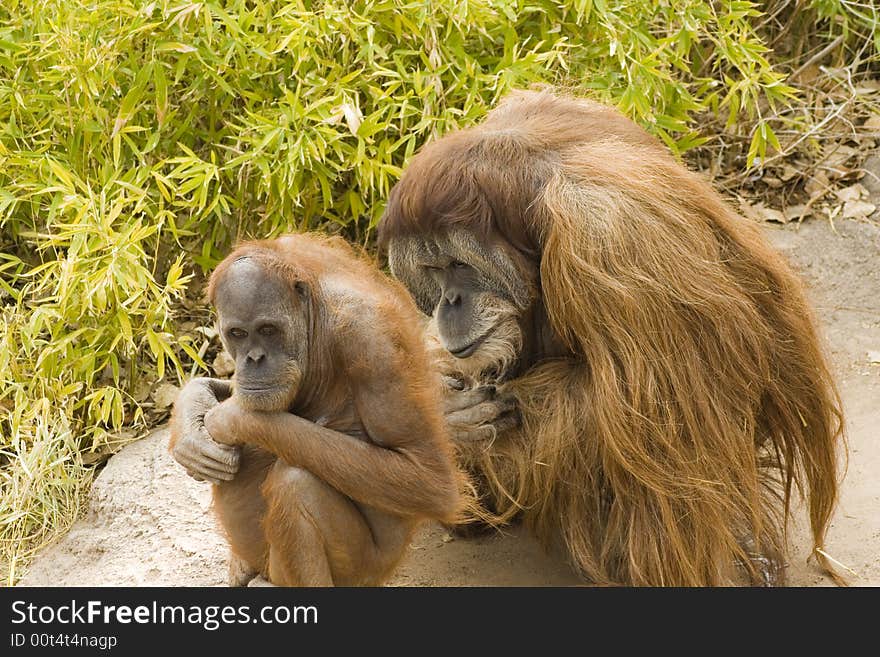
329, 446
635, 373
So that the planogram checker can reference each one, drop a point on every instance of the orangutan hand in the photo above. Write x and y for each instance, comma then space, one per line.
191, 445
476, 414
224, 420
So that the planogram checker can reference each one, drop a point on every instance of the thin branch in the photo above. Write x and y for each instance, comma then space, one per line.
816, 128
815, 58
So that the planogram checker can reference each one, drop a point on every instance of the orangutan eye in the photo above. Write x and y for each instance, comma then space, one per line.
267, 330
237, 333
458, 264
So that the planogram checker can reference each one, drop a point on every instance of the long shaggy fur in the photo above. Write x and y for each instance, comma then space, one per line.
666, 447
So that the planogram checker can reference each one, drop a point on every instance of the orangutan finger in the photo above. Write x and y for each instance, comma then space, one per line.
457, 401
228, 455
210, 465
199, 477
483, 413
207, 469
452, 383
205, 456
473, 434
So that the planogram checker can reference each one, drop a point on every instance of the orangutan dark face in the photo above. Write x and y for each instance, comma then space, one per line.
263, 324
477, 297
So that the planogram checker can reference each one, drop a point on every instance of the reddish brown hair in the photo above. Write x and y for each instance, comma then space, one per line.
696, 398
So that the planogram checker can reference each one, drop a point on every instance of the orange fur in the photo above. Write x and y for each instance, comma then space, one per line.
691, 399
335, 477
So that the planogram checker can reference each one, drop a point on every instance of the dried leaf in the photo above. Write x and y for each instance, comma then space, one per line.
749, 211
858, 209
835, 160
769, 214
852, 193
353, 117
142, 391
209, 332
164, 395
818, 185
872, 84
809, 74
223, 364
797, 212
93, 458
837, 154
788, 172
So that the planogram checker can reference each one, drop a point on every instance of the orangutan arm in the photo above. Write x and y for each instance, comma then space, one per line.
405, 474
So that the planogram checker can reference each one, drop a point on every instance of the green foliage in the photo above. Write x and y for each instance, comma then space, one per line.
139, 138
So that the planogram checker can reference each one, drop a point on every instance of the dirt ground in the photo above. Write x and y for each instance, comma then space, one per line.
148, 524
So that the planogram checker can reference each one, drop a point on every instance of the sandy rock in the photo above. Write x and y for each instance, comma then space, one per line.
871, 180
148, 524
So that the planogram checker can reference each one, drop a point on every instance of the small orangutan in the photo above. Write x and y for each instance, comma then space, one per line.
329, 445
634, 373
